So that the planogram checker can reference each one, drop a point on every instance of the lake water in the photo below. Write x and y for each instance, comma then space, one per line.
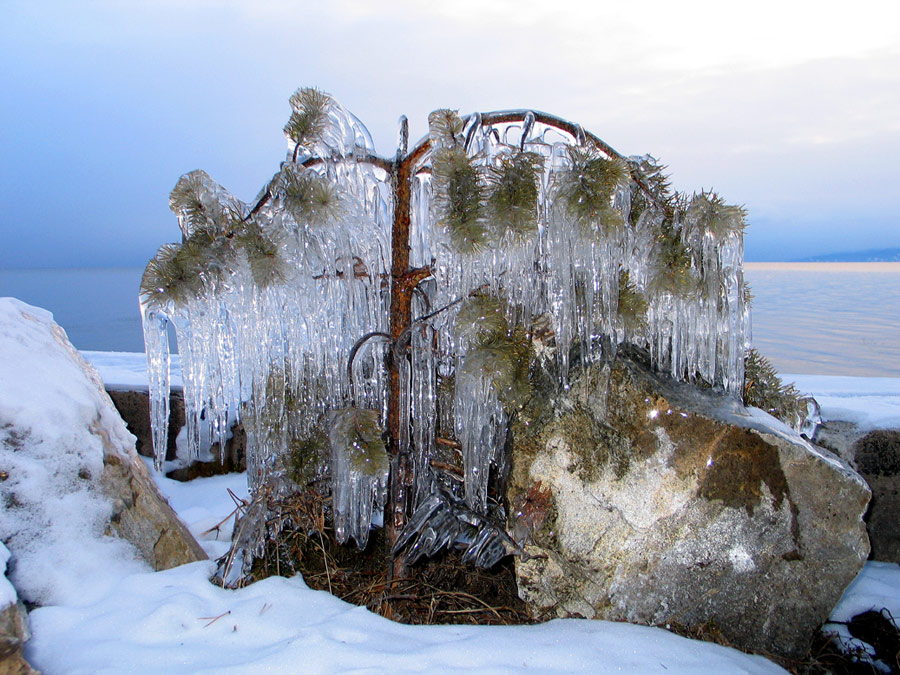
816, 318
827, 318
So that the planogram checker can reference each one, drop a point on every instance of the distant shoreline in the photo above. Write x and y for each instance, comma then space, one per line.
826, 266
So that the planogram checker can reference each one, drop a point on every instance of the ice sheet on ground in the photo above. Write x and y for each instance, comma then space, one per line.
869, 402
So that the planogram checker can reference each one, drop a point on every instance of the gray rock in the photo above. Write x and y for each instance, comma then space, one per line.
839, 437
649, 501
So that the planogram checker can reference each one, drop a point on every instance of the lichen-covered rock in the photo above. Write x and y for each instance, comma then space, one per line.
650, 501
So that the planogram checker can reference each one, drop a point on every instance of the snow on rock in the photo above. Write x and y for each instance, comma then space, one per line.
7, 592
63, 448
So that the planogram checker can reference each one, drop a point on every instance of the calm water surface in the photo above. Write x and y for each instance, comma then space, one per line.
816, 318
98, 307
827, 318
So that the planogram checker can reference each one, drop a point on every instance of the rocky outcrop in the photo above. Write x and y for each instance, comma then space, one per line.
134, 407
649, 501
14, 634
142, 516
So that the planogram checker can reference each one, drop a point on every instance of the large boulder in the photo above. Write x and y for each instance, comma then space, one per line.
70, 474
651, 501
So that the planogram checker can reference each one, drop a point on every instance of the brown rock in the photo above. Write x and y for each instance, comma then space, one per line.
143, 517
14, 634
134, 407
674, 506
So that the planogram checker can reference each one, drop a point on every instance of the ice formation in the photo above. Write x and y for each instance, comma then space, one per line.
531, 236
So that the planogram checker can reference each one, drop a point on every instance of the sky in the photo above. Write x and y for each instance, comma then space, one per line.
789, 108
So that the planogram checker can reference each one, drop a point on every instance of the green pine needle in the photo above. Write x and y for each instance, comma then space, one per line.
175, 275
480, 316
632, 305
192, 201
309, 116
460, 199
709, 212
505, 360
263, 250
309, 197
356, 432
671, 271
764, 389
587, 189
657, 183
513, 199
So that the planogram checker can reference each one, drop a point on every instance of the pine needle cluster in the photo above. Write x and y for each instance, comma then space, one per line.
481, 315
309, 116
513, 200
498, 352
356, 433
460, 198
308, 196
632, 305
214, 234
709, 213
172, 276
587, 189
656, 181
672, 263
194, 201
764, 389
263, 251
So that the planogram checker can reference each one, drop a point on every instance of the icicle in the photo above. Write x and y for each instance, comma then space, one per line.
359, 473
156, 342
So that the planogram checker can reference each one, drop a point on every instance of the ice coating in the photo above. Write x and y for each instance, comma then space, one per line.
270, 300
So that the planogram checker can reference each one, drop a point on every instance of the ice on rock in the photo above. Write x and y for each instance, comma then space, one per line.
269, 300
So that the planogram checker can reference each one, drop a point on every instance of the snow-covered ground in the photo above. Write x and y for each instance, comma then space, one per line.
177, 622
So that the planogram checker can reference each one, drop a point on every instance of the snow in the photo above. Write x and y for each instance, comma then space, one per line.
7, 592
869, 402
112, 618
54, 417
168, 622
876, 587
